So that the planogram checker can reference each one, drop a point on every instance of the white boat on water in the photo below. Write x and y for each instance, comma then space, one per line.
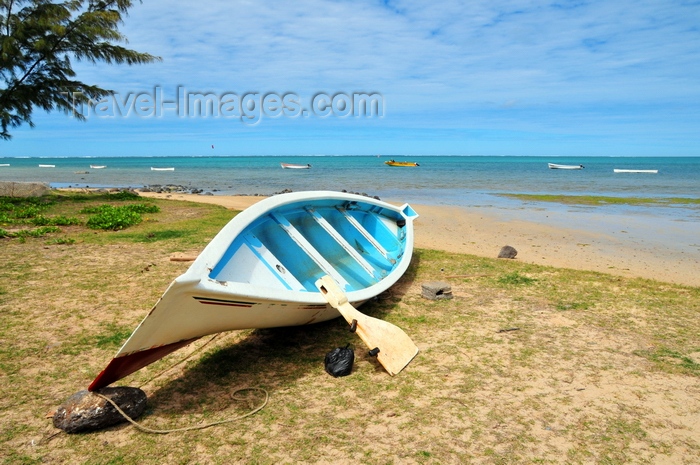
292, 166
4, 164
47, 166
263, 268
162, 169
635, 171
98, 167
554, 166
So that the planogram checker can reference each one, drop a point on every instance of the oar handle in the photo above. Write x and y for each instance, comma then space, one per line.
332, 293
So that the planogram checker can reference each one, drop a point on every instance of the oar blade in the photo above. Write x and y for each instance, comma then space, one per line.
396, 349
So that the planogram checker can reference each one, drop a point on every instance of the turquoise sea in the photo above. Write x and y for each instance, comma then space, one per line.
439, 180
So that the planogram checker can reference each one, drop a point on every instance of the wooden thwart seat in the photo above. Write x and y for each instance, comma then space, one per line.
356, 224
309, 249
344, 243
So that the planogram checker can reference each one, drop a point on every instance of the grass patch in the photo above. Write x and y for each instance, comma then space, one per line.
590, 369
156, 235
37, 232
61, 241
672, 361
605, 200
19, 212
114, 219
119, 217
515, 279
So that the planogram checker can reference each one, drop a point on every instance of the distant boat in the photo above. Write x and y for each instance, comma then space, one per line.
47, 166
292, 166
162, 169
554, 166
400, 163
635, 171
4, 164
98, 167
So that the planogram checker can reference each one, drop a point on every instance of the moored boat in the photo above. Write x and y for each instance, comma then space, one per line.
261, 270
47, 166
4, 164
634, 171
162, 169
400, 163
292, 166
98, 167
554, 166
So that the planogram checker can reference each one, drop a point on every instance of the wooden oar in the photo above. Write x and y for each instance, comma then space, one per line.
396, 349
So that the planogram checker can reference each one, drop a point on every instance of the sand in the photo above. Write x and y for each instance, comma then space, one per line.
622, 245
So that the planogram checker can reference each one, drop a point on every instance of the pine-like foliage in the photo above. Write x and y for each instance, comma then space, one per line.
38, 39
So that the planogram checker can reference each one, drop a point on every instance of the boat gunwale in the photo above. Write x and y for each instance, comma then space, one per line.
200, 270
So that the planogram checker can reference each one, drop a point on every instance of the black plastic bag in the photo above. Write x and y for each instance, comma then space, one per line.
339, 361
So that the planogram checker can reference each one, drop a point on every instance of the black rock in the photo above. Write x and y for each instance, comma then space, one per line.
84, 411
507, 252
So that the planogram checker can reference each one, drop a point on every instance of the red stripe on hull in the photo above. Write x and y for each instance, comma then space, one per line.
224, 304
123, 366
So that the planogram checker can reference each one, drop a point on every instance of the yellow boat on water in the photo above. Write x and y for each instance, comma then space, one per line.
400, 163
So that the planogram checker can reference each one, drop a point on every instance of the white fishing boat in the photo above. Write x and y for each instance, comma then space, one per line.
4, 164
162, 169
635, 171
47, 166
98, 167
292, 166
554, 166
263, 268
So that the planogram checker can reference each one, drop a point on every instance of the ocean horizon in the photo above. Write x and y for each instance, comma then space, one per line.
438, 180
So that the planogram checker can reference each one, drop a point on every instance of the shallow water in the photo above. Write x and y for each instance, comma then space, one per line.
439, 180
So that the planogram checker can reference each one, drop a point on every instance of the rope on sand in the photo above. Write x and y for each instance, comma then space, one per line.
191, 428
188, 428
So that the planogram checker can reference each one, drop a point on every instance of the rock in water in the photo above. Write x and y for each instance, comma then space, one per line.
507, 252
84, 411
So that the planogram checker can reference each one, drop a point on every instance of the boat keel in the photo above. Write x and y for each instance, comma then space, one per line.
123, 366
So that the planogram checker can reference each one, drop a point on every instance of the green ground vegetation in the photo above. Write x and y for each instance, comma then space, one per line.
30, 217
606, 200
526, 364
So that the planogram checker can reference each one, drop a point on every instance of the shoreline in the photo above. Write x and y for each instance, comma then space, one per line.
660, 249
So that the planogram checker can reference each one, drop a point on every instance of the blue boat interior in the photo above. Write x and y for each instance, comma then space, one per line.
292, 247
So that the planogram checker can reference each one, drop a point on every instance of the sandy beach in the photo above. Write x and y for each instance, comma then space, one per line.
661, 249
554, 367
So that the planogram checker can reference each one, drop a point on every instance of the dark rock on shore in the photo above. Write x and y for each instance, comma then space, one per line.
364, 194
170, 189
507, 252
84, 411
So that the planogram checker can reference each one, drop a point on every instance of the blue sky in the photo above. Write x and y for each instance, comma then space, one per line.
496, 77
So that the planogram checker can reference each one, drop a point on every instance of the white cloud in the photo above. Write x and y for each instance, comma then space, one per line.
512, 64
